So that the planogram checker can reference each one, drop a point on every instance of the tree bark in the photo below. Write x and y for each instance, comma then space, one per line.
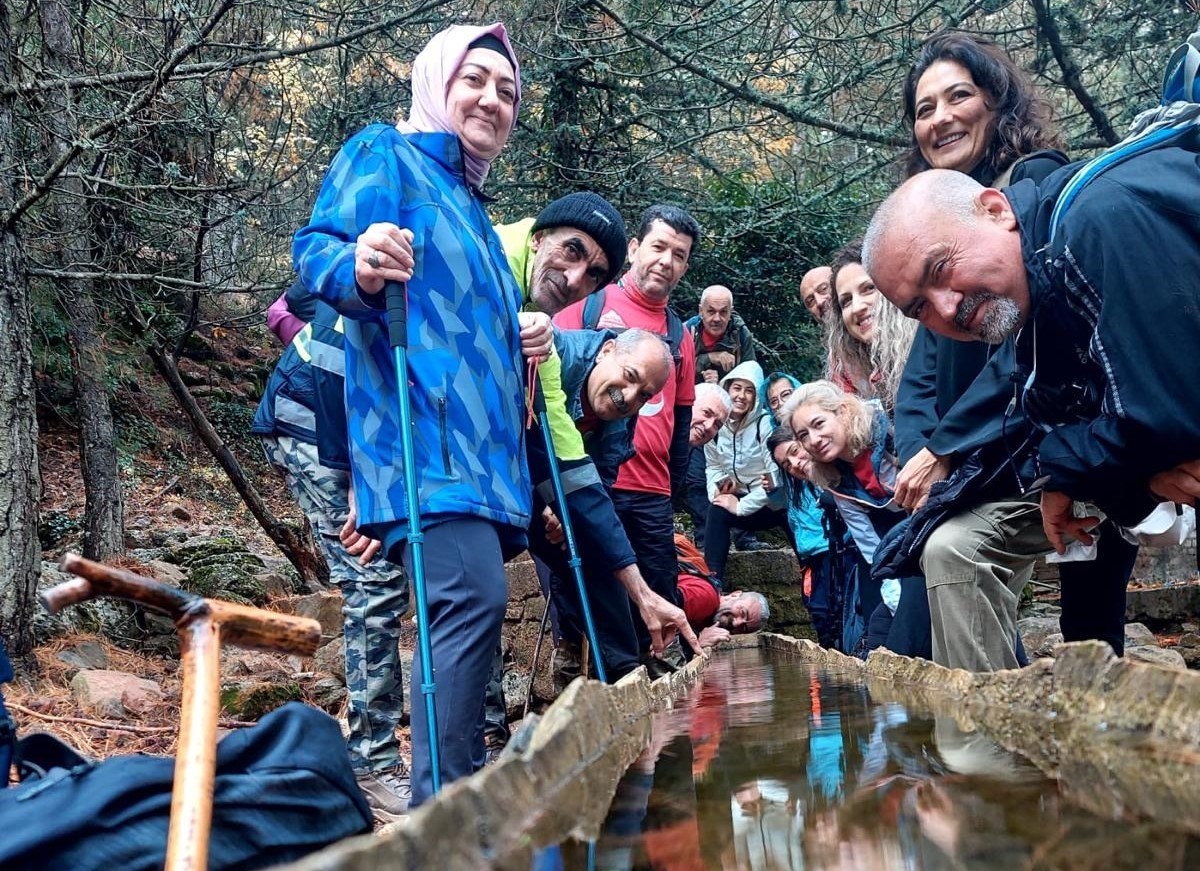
104, 522
311, 567
20, 483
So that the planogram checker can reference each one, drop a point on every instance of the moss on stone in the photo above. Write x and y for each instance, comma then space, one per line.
253, 700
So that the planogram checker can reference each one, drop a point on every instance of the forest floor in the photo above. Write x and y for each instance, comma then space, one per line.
173, 489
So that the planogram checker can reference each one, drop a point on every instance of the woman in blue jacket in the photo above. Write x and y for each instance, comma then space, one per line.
403, 204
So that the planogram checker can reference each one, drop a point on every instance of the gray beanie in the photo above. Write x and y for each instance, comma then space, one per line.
595, 216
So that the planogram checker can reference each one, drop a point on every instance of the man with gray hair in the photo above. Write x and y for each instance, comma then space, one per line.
723, 342
709, 413
1105, 349
722, 338
606, 379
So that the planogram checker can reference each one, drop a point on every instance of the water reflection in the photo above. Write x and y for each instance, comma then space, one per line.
777, 766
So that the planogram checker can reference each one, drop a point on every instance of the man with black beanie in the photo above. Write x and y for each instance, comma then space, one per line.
573, 247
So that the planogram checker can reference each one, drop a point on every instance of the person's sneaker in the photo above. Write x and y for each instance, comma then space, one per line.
755, 544
387, 792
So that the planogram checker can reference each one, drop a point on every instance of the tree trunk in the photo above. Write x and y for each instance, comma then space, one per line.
311, 567
20, 557
104, 527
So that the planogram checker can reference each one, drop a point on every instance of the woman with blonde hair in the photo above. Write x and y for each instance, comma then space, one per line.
867, 338
850, 443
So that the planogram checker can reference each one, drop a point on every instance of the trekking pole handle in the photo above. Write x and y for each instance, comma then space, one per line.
396, 295
97, 579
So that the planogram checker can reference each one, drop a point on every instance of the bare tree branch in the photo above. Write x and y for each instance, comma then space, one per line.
126, 77
749, 94
1070, 70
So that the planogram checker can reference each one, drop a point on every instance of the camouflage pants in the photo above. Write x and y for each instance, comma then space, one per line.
375, 598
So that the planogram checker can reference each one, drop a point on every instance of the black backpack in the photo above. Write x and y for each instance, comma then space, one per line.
283, 789
593, 307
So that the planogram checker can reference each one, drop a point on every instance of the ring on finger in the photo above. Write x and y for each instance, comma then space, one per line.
374, 260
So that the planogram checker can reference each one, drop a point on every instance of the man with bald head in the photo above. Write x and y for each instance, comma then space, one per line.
607, 378
1107, 320
815, 292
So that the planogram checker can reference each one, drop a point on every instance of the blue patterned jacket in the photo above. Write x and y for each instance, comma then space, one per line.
465, 369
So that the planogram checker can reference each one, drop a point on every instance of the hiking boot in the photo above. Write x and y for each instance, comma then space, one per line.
755, 544
387, 792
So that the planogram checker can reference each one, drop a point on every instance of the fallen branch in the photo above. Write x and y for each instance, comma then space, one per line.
119, 727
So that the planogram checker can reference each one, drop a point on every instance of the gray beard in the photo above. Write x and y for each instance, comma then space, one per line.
999, 322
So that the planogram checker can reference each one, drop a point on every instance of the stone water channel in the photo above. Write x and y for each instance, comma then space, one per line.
776, 754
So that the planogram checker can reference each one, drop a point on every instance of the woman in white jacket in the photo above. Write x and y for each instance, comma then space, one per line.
742, 478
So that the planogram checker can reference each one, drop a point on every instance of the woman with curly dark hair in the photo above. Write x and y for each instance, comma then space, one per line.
970, 108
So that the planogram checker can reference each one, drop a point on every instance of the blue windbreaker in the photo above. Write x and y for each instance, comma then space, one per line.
465, 366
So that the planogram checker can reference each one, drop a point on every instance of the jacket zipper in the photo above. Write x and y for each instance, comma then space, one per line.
442, 433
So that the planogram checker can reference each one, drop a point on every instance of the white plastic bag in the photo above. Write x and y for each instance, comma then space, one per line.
1168, 525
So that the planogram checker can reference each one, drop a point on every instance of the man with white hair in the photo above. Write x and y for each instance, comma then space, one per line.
1108, 327
709, 413
721, 336
723, 342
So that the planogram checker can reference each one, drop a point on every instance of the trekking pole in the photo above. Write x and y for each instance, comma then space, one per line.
537, 653
203, 624
564, 516
397, 311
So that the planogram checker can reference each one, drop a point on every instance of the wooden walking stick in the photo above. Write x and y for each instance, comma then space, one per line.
203, 624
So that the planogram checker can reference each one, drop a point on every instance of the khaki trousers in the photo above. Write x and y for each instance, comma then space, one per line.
975, 565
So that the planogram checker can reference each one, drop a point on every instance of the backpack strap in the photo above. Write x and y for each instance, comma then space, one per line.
593, 308
675, 336
1169, 125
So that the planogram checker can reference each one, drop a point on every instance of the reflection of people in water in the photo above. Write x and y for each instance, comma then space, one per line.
767, 828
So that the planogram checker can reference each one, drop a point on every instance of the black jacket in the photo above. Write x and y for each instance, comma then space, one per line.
1115, 326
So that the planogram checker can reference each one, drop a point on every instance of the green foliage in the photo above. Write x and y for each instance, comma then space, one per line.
231, 418
55, 526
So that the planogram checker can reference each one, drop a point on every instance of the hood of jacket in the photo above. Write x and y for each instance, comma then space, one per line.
762, 390
752, 372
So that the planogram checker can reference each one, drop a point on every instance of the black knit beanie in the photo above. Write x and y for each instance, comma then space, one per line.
595, 216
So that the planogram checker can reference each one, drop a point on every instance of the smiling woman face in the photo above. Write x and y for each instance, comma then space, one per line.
954, 121
857, 298
481, 102
821, 433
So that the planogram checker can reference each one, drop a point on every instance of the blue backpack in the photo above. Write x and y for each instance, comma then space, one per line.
1175, 121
